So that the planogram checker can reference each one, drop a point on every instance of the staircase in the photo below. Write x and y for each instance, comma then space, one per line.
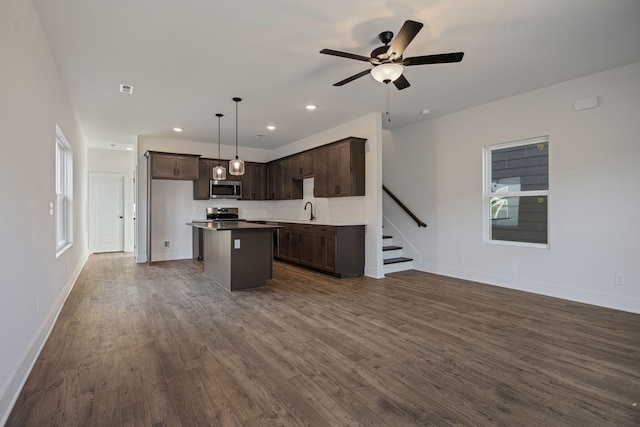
392, 255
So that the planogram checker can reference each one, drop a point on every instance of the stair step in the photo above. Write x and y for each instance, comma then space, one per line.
386, 236
391, 248
397, 260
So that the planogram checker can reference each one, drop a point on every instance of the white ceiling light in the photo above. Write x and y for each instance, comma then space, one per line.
386, 73
271, 127
177, 129
310, 107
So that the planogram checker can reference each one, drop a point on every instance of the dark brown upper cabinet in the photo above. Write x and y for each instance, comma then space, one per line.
174, 166
340, 169
302, 165
201, 185
281, 185
254, 181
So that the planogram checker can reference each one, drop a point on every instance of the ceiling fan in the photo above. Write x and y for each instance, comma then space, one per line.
388, 63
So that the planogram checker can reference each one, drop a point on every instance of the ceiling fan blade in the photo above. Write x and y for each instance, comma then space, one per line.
401, 82
441, 58
352, 78
408, 31
345, 55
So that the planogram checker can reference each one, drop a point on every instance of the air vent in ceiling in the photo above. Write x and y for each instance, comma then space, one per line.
128, 89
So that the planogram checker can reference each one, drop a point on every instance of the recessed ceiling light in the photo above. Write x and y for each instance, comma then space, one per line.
310, 107
129, 148
259, 135
125, 88
271, 127
177, 129
426, 111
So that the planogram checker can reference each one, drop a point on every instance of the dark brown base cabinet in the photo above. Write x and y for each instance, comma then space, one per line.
335, 250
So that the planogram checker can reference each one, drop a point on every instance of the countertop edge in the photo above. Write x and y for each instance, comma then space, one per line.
222, 226
302, 221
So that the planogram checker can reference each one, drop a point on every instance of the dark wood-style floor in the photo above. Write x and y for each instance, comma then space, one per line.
161, 345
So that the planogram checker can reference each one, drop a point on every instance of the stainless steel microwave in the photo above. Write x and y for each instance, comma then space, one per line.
225, 189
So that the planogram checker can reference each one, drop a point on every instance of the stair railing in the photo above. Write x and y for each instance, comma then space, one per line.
404, 208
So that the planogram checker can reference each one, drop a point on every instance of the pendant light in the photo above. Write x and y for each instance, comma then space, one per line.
236, 166
219, 172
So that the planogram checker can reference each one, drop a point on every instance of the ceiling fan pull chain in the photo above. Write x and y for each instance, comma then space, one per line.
388, 103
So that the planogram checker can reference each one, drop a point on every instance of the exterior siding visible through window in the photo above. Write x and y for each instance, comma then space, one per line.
64, 193
517, 192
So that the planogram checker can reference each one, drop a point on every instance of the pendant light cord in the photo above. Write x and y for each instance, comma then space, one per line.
219, 116
237, 100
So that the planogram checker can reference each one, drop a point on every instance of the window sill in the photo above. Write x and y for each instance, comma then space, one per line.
520, 244
62, 249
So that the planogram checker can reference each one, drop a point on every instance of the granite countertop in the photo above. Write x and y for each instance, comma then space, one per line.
314, 222
230, 225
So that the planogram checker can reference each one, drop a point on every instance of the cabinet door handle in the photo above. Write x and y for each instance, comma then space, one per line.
300, 171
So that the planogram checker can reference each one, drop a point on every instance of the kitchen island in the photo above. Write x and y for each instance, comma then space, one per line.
237, 255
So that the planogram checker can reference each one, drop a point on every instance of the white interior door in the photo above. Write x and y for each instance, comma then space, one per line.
106, 219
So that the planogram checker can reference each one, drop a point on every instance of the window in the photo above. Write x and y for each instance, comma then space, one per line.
64, 193
517, 192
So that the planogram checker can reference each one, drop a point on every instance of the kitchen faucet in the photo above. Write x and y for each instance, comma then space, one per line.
305, 208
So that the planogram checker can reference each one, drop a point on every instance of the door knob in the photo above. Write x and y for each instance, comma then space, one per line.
120, 216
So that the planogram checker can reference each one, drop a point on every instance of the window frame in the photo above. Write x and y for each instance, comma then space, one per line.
487, 193
63, 181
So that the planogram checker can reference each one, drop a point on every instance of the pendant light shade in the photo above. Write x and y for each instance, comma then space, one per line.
236, 166
219, 172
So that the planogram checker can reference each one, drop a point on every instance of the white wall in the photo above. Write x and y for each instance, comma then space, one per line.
34, 283
173, 204
594, 197
119, 163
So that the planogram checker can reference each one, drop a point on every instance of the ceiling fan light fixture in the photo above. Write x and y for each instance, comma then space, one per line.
386, 73
236, 166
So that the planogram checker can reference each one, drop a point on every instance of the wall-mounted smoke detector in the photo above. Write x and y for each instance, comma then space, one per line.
128, 89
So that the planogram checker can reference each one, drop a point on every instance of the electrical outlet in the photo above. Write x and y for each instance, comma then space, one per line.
618, 279
167, 243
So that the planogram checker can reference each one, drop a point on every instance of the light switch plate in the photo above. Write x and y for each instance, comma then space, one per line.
236, 243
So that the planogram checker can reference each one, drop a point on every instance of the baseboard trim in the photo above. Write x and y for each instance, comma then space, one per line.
554, 290
9, 395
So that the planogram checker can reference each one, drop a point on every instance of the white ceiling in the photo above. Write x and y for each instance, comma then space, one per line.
187, 59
